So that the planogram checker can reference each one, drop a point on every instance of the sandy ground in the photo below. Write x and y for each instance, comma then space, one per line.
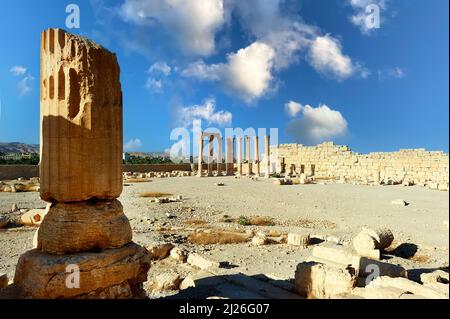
322, 210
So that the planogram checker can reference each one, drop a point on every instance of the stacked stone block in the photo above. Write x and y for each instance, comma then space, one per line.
331, 161
85, 235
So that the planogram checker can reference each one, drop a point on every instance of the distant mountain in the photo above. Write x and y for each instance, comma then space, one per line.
16, 147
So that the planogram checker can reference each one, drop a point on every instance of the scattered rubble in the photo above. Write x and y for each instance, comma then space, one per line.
179, 254
316, 280
159, 251
201, 262
166, 281
399, 202
301, 240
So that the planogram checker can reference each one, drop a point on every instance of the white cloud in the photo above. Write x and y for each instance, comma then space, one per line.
202, 71
24, 86
132, 145
193, 23
395, 73
266, 21
206, 111
359, 18
326, 56
18, 70
160, 67
154, 85
317, 124
292, 108
248, 72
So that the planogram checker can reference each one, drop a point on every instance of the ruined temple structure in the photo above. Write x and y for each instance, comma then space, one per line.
229, 155
85, 231
329, 161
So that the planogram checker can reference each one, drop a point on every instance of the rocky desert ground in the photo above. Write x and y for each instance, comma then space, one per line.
218, 218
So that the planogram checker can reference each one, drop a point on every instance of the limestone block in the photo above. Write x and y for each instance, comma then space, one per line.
179, 254
409, 286
81, 119
166, 281
383, 236
435, 276
399, 202
301, 240
201, 262
317, 280
159, 251
260, 240
343, 257
76, 227
372, 292
33, 217
364, 242
368, 266
45, 276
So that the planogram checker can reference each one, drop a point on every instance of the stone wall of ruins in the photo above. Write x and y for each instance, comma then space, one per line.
334, 161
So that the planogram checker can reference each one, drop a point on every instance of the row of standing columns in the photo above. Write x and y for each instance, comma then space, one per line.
229, 155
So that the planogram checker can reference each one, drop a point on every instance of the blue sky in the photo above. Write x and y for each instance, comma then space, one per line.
310, 68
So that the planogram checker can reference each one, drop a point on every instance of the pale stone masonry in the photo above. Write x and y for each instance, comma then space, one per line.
81, 119
85, 229
340, 162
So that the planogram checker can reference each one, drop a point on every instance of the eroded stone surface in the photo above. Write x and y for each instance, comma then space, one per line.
42, 275
81, 119
76, 227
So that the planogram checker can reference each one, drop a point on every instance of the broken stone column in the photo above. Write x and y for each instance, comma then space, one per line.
239, 155
283, 165
267, 149
229, 158
247, 155
257, 163
211, 156
219, 157
84, 245
200, 156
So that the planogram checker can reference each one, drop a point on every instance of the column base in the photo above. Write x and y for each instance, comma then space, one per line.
112, 273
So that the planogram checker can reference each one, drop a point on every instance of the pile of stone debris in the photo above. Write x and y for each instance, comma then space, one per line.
127, 176
335, 271
17, 217
20, 185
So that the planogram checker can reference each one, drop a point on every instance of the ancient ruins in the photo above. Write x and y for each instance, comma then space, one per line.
85, 229
329, 161
248, 238
229, 155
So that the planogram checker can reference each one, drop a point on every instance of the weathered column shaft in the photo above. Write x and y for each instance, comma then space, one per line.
211, 156
219, 156
257, 163
239, 154
81, 123
200, 156
247, 155
267, 150
81, 175
229, 156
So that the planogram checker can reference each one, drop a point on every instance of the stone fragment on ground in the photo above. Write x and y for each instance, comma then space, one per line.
297, 239
316, 280
159, 251
202, 262
166, 281
178, 254
399, 202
